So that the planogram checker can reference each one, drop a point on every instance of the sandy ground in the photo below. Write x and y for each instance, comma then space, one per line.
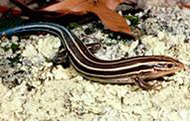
30, 91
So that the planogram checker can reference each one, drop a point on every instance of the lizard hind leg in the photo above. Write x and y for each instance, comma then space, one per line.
61, 58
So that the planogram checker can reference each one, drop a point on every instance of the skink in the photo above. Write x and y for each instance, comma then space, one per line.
134, 70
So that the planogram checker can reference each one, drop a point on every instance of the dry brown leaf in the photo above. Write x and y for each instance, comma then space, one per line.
69, 6
13, 11
102, 8
110, 18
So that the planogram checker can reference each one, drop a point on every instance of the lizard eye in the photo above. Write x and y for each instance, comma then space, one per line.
170, 65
